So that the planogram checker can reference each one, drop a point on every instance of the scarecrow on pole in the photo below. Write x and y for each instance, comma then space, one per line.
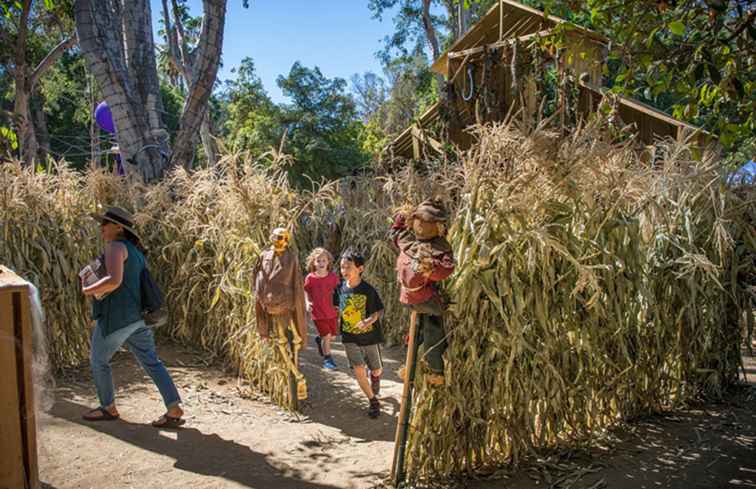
280, 306
425, 258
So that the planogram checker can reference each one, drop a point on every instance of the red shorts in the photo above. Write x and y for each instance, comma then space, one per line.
327, 326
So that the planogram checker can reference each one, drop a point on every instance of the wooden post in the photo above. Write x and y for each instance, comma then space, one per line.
402, 428
293, 397
18, 430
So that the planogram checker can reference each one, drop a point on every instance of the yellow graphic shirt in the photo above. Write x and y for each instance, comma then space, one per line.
356, 304
354, 311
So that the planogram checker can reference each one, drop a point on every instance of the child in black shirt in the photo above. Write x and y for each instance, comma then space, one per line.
360, 311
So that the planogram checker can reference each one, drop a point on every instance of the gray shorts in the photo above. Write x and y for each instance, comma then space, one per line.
361, 355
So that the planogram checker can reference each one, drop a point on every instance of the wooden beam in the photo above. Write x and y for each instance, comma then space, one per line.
511, 8
498, 44
420, 135
640, 107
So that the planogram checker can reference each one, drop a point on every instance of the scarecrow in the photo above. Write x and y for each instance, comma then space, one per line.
280, 305
425, 258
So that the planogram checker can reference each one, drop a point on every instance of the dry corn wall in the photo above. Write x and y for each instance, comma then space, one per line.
589, 288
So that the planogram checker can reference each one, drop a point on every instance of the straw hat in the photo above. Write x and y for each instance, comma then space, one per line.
118, 216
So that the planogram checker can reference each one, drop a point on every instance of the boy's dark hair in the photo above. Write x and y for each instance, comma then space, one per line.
354, 256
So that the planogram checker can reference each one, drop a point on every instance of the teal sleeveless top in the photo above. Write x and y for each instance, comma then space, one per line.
122, 306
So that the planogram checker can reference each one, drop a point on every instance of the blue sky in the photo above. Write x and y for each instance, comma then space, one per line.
338, 36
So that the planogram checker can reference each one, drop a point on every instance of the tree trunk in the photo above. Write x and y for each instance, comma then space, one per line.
452, 22
208, 143
464, 20
204, 69
40, 130
25, 83
115, 37
27, 142
181, 59
430, 33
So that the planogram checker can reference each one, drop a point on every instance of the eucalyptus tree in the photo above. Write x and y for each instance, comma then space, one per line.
116, 39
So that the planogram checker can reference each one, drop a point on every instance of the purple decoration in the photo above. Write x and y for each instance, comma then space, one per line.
120, 171
104, 118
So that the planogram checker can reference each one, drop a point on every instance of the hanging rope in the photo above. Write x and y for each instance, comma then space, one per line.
163, 154
470, 82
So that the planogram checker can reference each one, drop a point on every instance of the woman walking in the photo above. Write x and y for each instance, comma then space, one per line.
118, 313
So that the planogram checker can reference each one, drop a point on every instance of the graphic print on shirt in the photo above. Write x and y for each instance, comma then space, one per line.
353, 312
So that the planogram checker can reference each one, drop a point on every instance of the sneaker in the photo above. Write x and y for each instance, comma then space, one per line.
375, 408
319, 342
329, 363
375, 384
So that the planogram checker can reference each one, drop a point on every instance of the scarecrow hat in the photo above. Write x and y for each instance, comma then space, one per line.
120, 216
431, 210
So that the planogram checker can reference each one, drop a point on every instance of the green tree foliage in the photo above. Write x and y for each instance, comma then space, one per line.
322, 124
387, 107
694, 59
30, 32
65, 95
411, 34
252, 120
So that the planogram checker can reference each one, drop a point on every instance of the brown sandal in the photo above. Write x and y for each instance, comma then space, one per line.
104, 415
166, 421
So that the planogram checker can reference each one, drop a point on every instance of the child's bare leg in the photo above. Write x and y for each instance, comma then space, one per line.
360, 371
327, 339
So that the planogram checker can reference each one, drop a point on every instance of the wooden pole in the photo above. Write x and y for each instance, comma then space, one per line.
292, 378
18, 432
402, 428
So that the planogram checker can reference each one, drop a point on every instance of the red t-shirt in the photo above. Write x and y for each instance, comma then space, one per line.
320, 290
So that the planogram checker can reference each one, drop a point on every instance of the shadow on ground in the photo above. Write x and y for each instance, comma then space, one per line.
197, 452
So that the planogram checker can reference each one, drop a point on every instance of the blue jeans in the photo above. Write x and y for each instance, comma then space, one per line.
140, 340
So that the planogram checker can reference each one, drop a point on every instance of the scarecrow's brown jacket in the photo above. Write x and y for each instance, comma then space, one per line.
279, 291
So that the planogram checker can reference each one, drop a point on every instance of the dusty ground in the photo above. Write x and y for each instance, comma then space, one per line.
233, 442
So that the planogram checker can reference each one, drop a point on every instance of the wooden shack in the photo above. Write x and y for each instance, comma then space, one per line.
489, 76
18, 433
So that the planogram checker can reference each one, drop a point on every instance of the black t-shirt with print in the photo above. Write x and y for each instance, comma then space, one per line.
356, 304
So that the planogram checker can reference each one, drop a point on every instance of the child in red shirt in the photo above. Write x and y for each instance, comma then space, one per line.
319, 287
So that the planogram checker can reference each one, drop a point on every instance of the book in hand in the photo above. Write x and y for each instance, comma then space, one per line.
92, 273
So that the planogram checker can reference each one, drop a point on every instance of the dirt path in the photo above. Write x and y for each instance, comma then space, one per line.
232, 442
228, 441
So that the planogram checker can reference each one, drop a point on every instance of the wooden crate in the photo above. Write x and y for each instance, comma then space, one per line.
18, 431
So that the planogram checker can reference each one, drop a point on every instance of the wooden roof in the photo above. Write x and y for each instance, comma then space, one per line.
518, 20
519, 23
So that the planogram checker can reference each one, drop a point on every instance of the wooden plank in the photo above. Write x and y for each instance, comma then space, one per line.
29, 417
498, 44
514, 11
11, 445
641, 107
419, 135
404, 142
415, 145
18, 431
8, 279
